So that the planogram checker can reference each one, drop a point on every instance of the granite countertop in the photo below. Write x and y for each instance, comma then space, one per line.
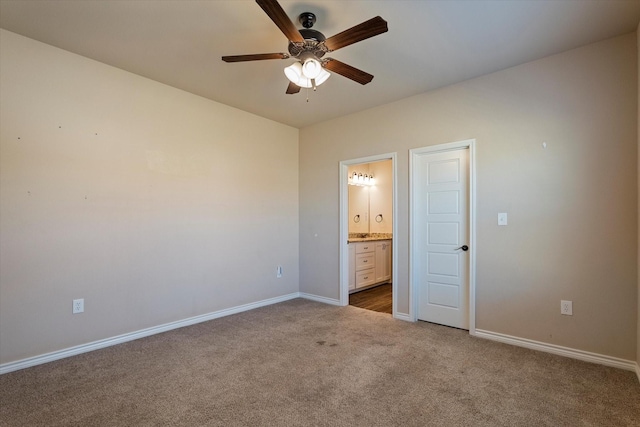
361, 237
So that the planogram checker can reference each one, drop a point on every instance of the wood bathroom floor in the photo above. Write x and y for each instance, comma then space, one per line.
375, 299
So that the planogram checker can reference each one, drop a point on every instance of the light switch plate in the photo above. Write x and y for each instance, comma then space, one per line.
502, 218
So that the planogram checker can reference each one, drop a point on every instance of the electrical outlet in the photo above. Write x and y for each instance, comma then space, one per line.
279, 271
78, 306
566, 308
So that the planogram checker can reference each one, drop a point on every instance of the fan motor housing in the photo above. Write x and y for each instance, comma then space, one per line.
310, 34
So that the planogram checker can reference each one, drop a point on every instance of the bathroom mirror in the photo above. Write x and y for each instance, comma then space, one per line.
358, 209
370, 206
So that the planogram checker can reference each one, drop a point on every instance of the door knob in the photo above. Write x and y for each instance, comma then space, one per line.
463, 247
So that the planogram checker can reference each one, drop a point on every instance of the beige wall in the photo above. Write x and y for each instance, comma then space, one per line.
572, 207
152, 204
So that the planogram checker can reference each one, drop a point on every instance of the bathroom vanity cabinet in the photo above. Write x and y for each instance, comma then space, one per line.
369, 264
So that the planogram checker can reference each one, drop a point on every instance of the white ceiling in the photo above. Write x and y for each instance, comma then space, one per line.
430, 44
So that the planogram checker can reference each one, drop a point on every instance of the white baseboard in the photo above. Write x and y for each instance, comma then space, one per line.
638, 371
586, 356
96, 345
318, 298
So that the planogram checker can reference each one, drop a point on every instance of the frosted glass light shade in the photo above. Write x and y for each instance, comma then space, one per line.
311, 68
294, 72
322, 76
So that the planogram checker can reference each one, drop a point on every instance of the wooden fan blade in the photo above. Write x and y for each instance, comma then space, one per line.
273, 9
348, 71
254, 57
292, 88
370, 28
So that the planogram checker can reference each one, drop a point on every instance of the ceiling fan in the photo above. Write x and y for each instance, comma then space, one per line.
309, 46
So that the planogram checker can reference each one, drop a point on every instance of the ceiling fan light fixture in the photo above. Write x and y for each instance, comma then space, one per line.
297, 75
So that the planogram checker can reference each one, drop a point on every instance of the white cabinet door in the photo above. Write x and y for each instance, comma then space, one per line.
383, 261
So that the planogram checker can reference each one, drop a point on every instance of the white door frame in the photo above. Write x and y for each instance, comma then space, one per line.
414, 153
344, 226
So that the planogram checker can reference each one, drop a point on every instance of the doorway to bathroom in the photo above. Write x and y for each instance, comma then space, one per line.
367, 229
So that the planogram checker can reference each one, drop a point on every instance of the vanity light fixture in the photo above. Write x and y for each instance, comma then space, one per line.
361, 180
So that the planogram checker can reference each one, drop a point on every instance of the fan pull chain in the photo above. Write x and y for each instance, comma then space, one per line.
313, 84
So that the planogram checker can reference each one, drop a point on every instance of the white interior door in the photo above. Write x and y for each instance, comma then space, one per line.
441, 230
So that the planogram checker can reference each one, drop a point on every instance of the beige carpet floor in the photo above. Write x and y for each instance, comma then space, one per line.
302, 363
